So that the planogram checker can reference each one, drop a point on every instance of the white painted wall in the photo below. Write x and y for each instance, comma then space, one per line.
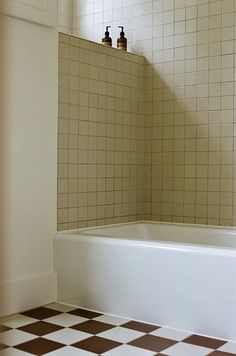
28, 163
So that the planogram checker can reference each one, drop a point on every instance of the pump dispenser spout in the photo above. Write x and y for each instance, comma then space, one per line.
107, 32
122, 31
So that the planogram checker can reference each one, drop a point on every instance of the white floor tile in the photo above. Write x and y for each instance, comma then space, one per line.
13, 352
172, 334
126, 350
182, 349
121, 334
69, 351
65, 320
15, 337
228, 347
67, 336
17, 320
113, 320
60, 307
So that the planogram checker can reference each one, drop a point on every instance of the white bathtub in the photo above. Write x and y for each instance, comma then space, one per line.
180, 276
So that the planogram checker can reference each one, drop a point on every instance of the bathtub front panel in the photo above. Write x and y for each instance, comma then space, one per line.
187, 288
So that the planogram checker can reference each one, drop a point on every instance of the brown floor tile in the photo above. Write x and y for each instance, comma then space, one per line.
220, 353
39, 346
41, 313
204, 341
84, 313
40, 328
3, 347
96, 344
92, 327
152, 343
4, 328
135, 325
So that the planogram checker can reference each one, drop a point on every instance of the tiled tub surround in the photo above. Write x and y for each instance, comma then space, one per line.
174, 152
190, 46
103, 143
59, 329
176, 275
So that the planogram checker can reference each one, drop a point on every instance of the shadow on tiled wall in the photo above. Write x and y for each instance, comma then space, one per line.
192, 146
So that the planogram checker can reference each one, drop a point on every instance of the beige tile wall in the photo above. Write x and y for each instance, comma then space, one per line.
102, 162
193, 137
189, 107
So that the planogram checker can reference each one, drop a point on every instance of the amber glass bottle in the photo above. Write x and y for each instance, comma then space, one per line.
107, 41
122, 41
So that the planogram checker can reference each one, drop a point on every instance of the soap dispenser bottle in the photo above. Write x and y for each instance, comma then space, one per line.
122, 41
107, 41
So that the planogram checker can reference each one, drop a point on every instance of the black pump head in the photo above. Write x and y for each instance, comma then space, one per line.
122, 31
107, 32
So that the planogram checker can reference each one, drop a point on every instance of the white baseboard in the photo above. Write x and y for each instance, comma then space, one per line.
21, 295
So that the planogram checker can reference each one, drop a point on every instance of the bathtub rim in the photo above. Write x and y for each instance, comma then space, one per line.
201, 226
81, 235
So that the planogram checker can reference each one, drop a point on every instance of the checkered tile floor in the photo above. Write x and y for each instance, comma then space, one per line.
59, 329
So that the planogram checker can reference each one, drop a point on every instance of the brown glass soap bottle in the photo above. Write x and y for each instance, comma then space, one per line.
122, 41
107, 41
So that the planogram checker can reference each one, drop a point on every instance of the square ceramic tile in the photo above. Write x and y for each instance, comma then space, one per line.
204, 341
60, 307
220, 353
172, 334
13, 352
143, 327
70, 351
228, 347
14, 337
65, 320
41, 313
93, 327
109, 319
67, 336
127, 350
3, 347
89, 314
40, 328
121, 334
4, 328
97, 345
182, 349
39, 346
152, 343
17, 320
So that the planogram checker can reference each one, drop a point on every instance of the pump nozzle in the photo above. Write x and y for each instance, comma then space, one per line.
107, 32
122, 31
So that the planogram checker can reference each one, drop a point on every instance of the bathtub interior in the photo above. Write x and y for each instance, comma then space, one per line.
165, 232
